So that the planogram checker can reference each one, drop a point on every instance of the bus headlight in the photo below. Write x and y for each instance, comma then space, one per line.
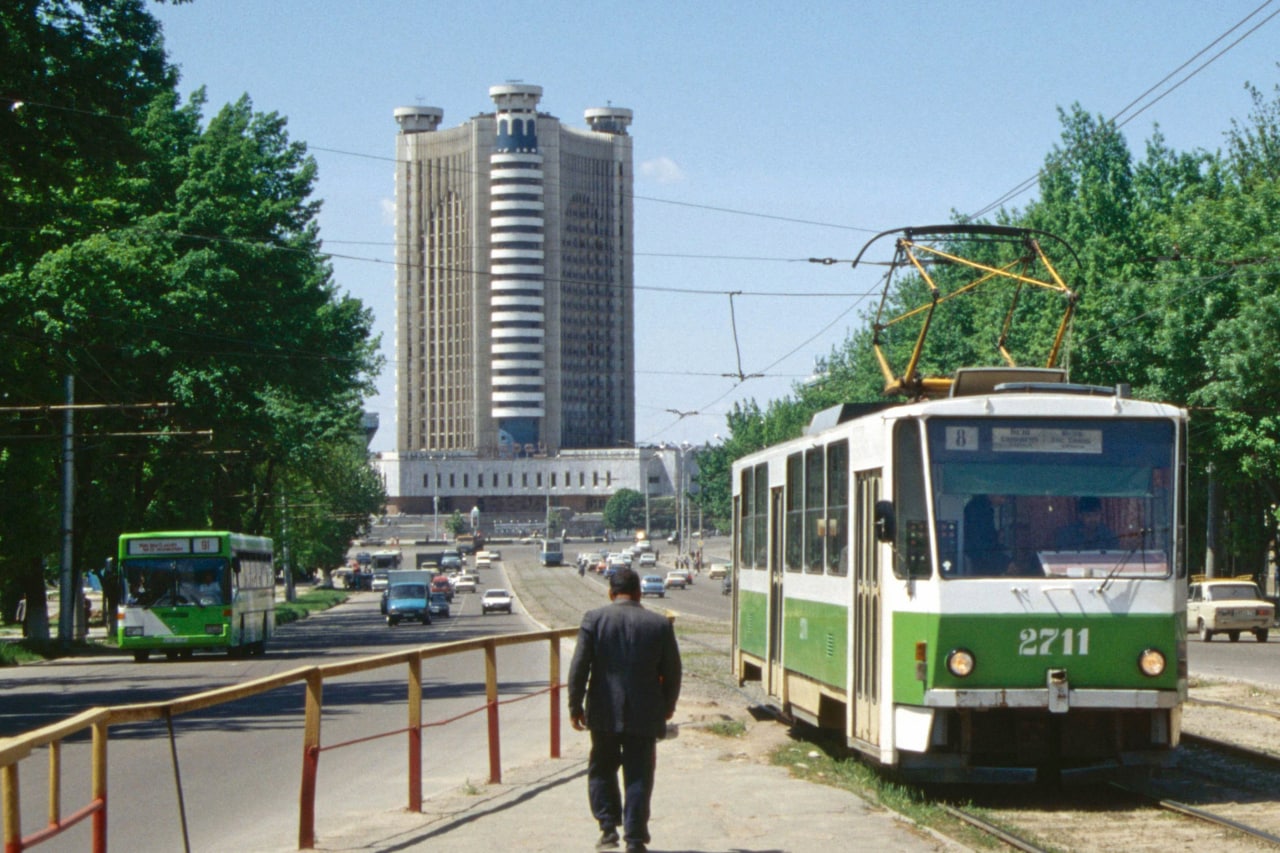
1151, 662
960, 662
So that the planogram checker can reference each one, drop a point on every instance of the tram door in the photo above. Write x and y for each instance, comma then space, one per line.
866, 609
777, 680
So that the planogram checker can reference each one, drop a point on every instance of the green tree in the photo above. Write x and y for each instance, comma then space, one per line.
624, 510
175, 272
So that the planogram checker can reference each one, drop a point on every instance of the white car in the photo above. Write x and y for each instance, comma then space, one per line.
465, 583
717, 571
648, 560
495, 599
1228, 607
677, 580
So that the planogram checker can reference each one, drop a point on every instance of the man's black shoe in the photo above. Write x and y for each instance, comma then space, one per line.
608, 839
636, 847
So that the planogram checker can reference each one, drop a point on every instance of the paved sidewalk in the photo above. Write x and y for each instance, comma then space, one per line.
708, 797
713, 793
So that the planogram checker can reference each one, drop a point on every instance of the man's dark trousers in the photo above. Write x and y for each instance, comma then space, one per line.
636, 755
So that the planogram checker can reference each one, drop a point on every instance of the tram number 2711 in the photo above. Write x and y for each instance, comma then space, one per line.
1045, 641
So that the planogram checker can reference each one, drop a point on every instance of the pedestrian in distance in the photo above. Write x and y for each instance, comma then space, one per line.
624, 682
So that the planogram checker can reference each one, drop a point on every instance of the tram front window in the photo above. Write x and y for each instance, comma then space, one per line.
1052, 498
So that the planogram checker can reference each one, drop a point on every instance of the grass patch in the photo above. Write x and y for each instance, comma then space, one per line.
29, 650
727, 728
307, 603
816, 758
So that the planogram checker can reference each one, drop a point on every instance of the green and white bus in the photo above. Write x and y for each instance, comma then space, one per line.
181, 591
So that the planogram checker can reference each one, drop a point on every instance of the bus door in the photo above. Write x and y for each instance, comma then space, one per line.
775, 687
866, 609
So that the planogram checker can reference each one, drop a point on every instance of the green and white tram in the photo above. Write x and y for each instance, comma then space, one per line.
183, 591
988, 586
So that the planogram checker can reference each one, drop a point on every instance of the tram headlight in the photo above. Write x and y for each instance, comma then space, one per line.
960, 662
1151, 662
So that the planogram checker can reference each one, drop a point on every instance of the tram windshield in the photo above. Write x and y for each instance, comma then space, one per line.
1053, 498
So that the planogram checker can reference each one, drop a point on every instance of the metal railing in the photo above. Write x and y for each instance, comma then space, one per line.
14, 750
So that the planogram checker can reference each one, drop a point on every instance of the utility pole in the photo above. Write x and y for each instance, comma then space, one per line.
69, 595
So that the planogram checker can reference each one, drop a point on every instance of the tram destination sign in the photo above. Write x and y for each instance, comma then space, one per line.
1046, 440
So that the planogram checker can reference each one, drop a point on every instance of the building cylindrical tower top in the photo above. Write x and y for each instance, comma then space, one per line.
608, 119
418, 119
516, 97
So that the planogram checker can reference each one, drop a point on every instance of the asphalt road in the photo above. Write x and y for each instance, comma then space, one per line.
239, 764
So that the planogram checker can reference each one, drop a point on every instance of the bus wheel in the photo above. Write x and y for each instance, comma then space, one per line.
186, 654
170, 655
260, 648
142, 656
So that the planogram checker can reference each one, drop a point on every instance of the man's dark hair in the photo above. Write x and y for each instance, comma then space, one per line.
1089, 504
624, 582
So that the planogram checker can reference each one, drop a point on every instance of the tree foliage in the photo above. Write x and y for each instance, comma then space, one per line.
1176, 262
624, 510
171, 267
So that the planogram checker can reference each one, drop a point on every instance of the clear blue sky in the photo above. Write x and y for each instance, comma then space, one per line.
764, 134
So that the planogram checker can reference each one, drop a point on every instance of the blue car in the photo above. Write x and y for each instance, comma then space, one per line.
439, 604
653, 585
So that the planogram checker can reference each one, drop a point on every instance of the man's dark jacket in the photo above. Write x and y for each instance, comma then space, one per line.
627, 666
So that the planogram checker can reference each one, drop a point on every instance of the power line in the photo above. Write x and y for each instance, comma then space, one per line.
1028, 183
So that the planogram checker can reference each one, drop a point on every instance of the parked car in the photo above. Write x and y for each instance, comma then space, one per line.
465, 583
380, 581
495, 599
1228, 606
717, 570
653, 585
439, 604
677, 580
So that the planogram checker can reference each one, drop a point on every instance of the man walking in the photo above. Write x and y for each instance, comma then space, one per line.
627, 668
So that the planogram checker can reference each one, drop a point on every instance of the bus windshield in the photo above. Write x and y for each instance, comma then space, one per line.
1052, 498
169, 581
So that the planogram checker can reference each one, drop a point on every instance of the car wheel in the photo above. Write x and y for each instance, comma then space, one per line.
1261, 634
391, 622
1233, 636
142, 656
1205, 634
426, 620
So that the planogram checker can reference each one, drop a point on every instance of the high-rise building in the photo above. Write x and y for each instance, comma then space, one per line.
514, 303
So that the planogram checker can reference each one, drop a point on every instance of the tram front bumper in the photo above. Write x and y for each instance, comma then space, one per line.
1043, 698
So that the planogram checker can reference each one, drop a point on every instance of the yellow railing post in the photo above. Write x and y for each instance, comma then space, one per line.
555, 697
12, 817
491, 701
55, 782
415, 733
101, 735
310, 761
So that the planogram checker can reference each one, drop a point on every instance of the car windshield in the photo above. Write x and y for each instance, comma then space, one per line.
496, 593
1232, 592
408, 590
1062, 498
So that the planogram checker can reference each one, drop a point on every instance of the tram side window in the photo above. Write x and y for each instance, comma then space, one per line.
911, 550
794, 532
814, 508
754, 517
761, 556
837, 519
